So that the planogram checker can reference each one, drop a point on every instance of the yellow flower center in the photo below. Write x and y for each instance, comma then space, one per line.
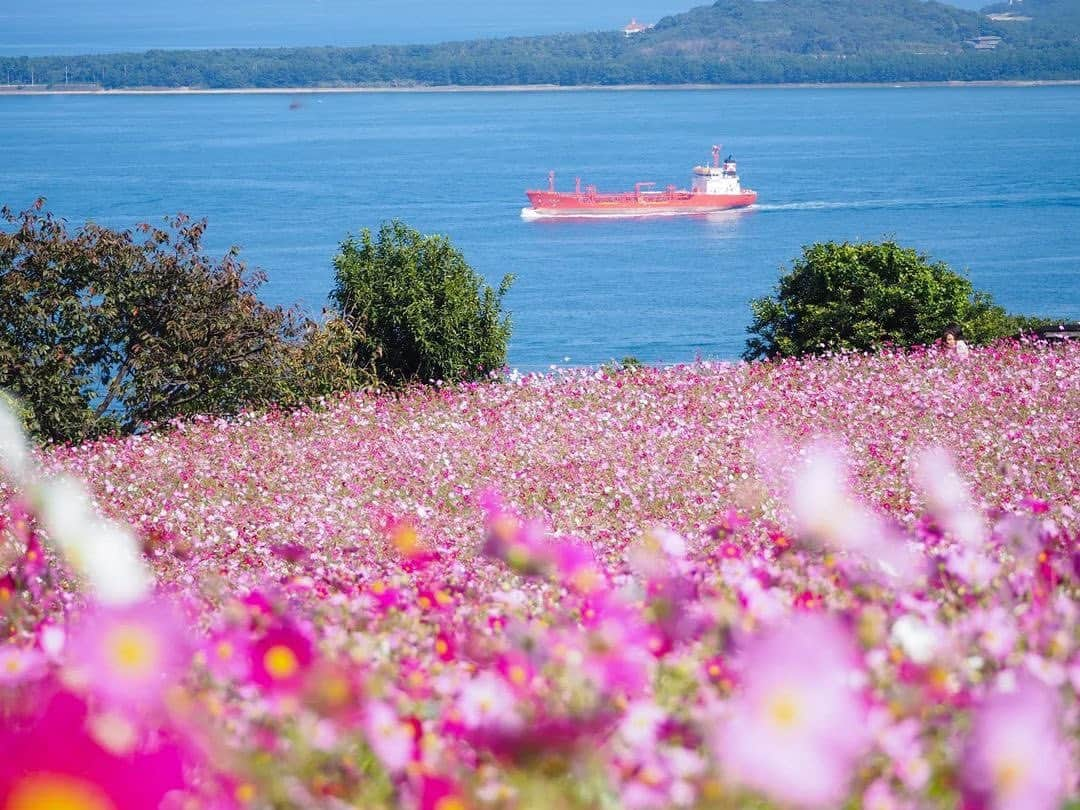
244, 793
334, 690
449, 803
783, 710
1008, 774
650, 776
517, 674
586, 579
441, 647
46, 791
133, 651
224, 650
280, 662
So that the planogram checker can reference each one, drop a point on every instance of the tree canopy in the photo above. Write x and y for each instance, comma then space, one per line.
108, 331
860, 296
417, 310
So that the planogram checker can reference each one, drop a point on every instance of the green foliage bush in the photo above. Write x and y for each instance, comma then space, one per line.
417, 310
108, 331
862, 296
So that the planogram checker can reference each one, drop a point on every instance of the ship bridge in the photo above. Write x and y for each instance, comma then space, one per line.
719, 178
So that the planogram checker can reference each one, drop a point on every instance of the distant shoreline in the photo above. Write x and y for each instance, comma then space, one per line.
30, 90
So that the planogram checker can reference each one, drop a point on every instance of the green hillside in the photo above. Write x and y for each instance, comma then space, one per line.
1039, 22
820, 27
731, 41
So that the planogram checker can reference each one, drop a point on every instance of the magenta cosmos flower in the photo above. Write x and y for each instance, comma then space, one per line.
281, 659
57, 763
129, 655
796, 728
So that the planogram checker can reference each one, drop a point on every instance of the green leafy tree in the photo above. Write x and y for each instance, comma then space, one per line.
417, 310
861, 296
107, 331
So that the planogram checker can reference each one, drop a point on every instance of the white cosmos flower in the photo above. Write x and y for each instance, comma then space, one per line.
487, 702
104, 552
14, 454
916, 638
66, 511
111, 562
949, 498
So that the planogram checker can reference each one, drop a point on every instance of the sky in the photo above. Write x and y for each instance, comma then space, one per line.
41, 27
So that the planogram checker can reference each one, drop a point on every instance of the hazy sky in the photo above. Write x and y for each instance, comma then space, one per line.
35, 27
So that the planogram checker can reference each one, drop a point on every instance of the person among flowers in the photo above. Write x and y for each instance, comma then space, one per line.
954, 341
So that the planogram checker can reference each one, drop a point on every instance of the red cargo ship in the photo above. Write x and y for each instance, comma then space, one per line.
714, 188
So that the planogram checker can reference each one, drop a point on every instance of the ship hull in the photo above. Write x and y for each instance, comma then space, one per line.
660, 203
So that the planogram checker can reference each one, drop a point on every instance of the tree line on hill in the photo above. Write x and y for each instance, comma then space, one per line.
729, 42
113, 332
335, 67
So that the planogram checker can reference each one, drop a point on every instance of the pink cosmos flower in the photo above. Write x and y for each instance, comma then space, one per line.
33, 560
129, 655
517, 669
384, 597
226, 654
281, 659
334, 689
900, 741
19, 665
971, 565
998, 632
488, 702
57, 763
879, 796
641, 724
797, 727
719, 673
576, 567
392, 739
1015, 757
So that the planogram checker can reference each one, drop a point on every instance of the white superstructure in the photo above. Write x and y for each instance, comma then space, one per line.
716, 179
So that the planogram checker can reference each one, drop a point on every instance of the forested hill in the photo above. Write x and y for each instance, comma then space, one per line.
731, 41
1039, 22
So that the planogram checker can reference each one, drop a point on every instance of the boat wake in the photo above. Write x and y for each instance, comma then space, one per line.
1070, 198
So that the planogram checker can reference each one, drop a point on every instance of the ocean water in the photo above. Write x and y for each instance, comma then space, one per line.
984, 178
111, 26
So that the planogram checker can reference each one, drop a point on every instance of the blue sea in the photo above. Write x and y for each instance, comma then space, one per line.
984, 178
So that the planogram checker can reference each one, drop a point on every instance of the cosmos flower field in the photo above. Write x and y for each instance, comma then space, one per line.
847, 582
